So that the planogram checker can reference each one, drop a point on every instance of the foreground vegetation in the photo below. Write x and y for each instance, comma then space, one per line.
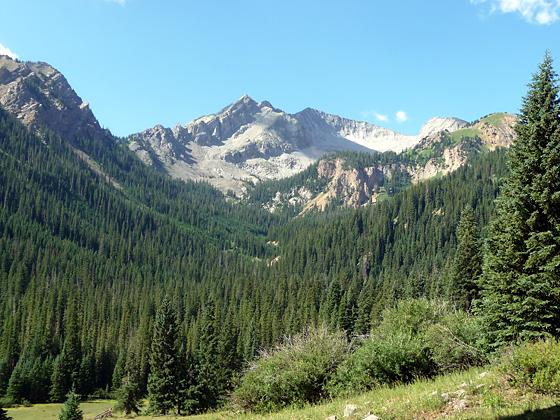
478, 393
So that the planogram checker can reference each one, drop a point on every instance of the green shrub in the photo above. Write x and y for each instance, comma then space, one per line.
535, 365
398, 357
294, 373
416, 338
454, 342
412, 316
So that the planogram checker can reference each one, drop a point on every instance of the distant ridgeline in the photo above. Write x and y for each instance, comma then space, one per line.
91, 240
353, 179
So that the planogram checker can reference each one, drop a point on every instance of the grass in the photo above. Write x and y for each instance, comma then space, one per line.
486, 396
495, 120
51, 411
479, 393
468, 132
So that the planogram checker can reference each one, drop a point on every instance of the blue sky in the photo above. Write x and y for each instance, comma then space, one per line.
142, 62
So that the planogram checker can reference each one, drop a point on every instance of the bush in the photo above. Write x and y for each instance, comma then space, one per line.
535, 365
294, 373
399, 357
454, 342
416, 338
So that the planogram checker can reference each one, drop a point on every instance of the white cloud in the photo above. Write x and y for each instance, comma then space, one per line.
6, 51
541, 12
401, 116
376, 115
381, 117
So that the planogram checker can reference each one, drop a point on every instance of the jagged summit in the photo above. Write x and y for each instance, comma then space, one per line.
248, 141
41, 97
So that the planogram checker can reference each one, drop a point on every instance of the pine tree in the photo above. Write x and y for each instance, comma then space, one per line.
209, 373
521, 289
128, 397
66, 369
71, 408
4, 414
467, 264
16, 385
164, 381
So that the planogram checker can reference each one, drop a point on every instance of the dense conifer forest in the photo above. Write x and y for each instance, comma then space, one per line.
85, 264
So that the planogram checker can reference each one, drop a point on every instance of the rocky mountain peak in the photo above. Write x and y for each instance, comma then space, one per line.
41, 97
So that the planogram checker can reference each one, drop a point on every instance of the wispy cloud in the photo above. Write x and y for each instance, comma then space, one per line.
6, 51
541, 12
375, 115
401, 116
381, 117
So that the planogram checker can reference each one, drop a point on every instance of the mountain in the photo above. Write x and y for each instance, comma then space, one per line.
249, 141
41, 97
354, 179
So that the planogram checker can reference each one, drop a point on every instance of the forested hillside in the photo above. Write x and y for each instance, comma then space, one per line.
85, 262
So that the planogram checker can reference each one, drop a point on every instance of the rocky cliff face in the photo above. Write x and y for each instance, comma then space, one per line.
40, 96
352, 187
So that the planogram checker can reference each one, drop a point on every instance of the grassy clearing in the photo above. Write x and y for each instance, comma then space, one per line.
480, 393
496, 119
51, 411
468, 132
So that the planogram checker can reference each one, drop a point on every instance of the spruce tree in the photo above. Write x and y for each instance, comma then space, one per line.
521, 279
4, 414
209, 372
467, 264
66, 369
71, 408
128, 397
164, 381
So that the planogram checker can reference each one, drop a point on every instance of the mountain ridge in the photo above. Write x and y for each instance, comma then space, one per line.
246, 142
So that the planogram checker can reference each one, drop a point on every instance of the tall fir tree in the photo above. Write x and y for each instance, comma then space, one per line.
209, 373
71, 408
165, 381
66, 369
467, 264
4, 414
521, 279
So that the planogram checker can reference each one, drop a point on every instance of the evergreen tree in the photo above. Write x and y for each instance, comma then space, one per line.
209, 374
128, 397
164, 381
4, 414
521, 286
66, 369
467, 264
16, 386
71, 408
59, 384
